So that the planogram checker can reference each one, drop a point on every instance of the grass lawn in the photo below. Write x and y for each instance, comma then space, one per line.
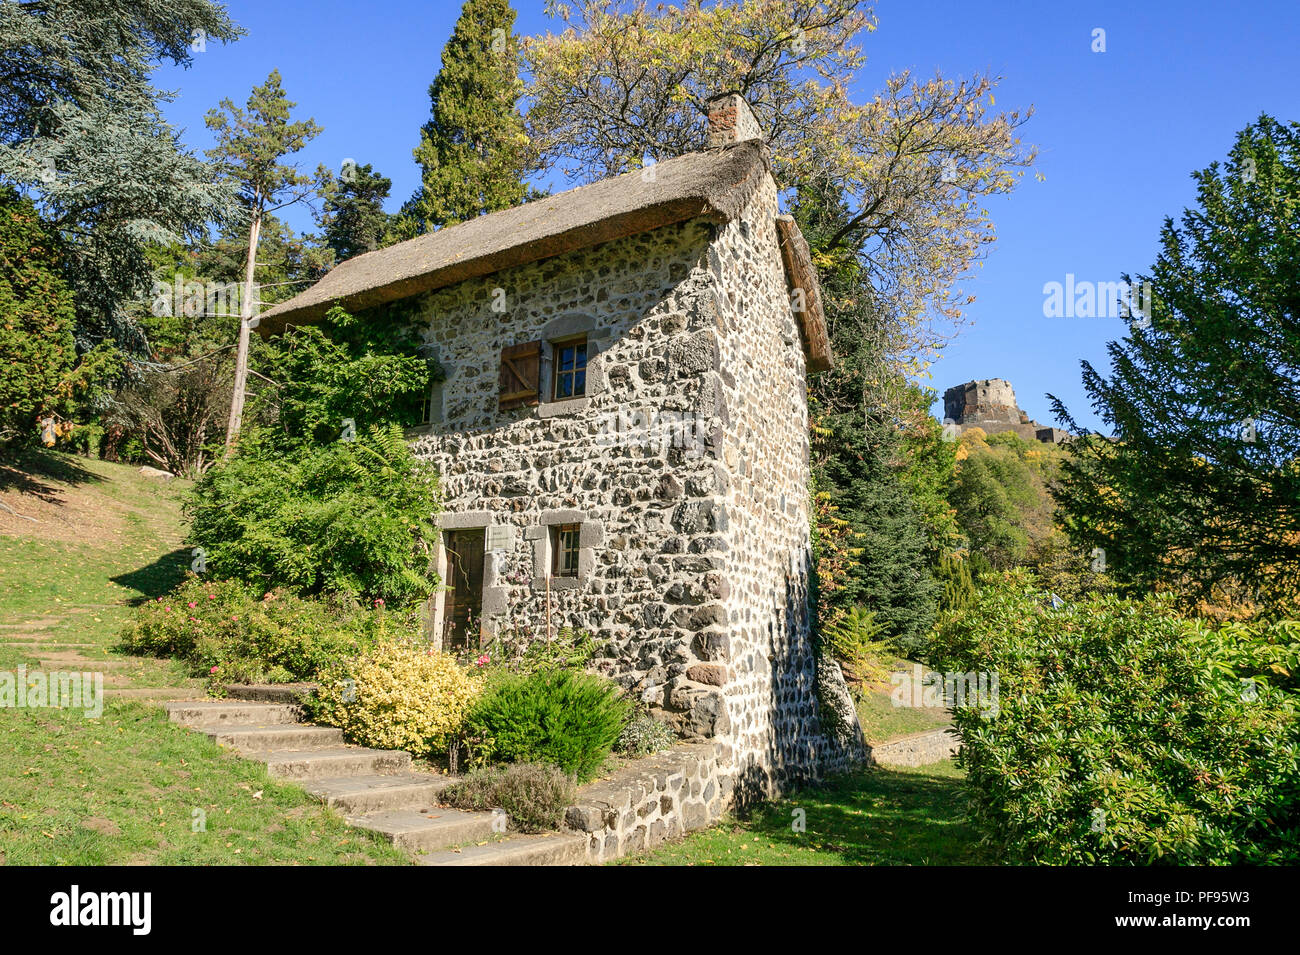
873, 817
131, 788
124, 788
881, 720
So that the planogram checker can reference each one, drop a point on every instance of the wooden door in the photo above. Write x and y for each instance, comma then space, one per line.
464, 601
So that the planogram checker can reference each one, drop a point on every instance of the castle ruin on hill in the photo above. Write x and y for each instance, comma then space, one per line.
990, 404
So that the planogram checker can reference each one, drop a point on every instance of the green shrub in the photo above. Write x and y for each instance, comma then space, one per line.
1124, 733
229, 634
396, 695
533, 796
562, 717
643, 735
350, 517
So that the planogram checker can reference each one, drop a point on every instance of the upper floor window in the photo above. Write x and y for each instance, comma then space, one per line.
570, 369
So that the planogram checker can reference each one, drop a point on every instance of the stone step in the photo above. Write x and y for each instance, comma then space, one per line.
270, 736
435, 829
558, 848
117, 681
336, 761
270, 692
36, 643
208, 712
153, 693
357, 795
68, 661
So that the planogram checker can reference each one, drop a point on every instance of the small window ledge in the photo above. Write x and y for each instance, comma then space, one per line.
565, 406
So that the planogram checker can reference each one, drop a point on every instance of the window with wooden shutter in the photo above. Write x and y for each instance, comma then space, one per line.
521, 375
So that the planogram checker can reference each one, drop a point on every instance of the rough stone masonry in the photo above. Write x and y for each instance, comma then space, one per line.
682, 468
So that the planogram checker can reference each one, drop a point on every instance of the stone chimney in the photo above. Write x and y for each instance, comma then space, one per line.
731, 120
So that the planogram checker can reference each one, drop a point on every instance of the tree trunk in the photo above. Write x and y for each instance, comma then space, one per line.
241, 355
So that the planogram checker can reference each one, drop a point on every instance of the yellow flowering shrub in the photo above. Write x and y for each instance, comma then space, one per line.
397, 695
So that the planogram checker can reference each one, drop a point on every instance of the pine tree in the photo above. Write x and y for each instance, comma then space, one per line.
354, 220
251, 146
473, 151
82, 133
1200, 489
874, 550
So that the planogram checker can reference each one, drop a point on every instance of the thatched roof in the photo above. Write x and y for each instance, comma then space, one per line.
714, 184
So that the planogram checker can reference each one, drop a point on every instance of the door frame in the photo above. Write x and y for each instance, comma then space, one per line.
493, 600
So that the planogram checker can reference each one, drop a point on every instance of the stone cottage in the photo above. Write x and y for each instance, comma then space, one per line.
622, 435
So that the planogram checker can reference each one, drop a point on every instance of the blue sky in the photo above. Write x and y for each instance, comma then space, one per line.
1118, 132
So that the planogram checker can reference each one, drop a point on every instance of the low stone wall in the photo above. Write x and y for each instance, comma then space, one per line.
918, 749
652, 800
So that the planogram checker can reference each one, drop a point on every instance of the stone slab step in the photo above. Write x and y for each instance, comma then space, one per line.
68, 661
82, 665
269, 736
435, 829
337, 761
560, 848
117, 681
156, 694
202, 712
357, 795
270, 692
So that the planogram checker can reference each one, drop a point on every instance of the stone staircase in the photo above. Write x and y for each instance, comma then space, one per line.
374, 789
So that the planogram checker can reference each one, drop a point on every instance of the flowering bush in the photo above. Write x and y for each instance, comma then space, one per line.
643, 735
398, 694
230, 634
521, 650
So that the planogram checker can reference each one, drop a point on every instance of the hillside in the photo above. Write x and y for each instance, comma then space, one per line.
81, 542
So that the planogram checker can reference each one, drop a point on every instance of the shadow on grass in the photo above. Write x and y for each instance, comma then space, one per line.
878, 816
155, 579
22, 469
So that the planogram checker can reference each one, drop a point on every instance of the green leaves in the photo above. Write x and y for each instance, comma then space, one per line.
1125, 733
1200, 491
81, 130
473, 152
559, 717
36, 320
252, 142
352, 518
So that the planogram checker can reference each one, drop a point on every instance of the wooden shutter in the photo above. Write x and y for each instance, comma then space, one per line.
521, 375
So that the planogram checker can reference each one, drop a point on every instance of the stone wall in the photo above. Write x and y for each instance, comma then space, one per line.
917, 749
770, 664
652, 800
991, 400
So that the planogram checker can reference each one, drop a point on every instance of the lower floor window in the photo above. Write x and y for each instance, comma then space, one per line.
564, 548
